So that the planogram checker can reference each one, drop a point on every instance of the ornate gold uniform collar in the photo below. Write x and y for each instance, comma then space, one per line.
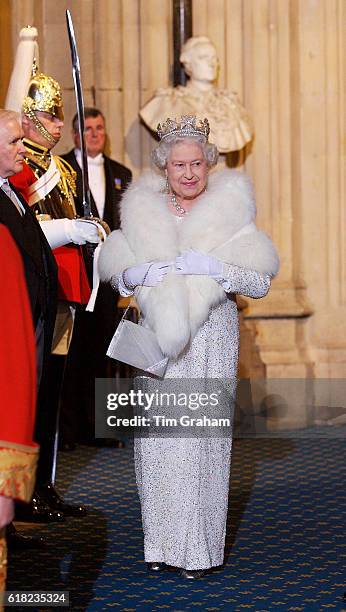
36, 149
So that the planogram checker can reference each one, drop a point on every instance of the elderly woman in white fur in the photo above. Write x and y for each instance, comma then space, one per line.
190, 239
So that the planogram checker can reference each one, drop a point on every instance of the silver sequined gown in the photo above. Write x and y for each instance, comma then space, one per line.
183, 483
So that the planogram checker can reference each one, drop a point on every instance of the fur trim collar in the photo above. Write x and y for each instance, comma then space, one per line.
226, 207
221, 224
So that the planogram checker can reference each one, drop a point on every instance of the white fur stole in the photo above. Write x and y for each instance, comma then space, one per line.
222, 224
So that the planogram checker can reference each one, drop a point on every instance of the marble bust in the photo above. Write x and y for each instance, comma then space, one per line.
230, 125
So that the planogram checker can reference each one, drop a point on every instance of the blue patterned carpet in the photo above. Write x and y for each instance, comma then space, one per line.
285, 546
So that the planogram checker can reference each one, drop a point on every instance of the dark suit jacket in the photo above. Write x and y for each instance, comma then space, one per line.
39, 264
117, 177
93, 331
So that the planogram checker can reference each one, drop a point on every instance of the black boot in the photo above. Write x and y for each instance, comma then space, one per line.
56, 503
37, 511
19, 541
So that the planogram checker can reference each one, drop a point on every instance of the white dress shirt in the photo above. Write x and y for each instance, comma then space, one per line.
97, 179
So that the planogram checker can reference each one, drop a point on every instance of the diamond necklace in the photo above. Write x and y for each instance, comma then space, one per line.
177, 206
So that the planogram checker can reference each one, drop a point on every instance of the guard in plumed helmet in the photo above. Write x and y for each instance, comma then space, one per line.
43, 119
50, 193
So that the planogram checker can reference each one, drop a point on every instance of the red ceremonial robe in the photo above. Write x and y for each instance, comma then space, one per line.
18, 451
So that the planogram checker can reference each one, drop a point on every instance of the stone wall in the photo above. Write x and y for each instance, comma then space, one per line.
286, 59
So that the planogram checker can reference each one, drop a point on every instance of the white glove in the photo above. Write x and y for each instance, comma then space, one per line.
81, 231
147, 274
195, 262
63, 231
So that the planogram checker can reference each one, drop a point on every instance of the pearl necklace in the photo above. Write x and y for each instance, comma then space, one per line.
177, 206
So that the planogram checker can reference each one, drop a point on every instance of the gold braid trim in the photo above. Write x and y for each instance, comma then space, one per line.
68, 176
17, 472
41, 157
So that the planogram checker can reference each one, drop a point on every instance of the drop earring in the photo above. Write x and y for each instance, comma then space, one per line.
167, 187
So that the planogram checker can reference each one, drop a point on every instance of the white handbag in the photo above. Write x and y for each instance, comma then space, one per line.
137, 346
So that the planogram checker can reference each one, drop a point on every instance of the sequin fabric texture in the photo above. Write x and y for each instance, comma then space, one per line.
183, 482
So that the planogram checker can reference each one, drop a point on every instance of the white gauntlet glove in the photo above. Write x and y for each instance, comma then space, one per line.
81, 231
195, 262
63, 231
147, 274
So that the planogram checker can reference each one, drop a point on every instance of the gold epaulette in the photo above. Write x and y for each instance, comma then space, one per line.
17, 470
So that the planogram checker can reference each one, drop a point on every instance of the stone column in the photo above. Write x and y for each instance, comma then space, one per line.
286, 60
278, 321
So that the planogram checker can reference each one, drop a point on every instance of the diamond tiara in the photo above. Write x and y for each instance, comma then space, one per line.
187, 126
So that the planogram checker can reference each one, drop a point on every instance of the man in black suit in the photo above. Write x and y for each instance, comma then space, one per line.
87, 359
39, 264
108, 179
41, 278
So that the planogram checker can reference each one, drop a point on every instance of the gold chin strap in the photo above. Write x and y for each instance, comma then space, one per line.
40, 127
